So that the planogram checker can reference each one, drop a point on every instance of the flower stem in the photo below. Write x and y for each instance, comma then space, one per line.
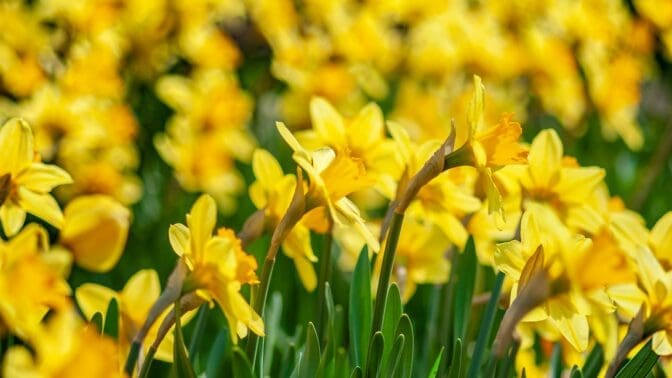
386, 271
260, 300
325, 276
486, 327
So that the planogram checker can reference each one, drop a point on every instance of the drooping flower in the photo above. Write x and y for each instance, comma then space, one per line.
25, 183
217, 265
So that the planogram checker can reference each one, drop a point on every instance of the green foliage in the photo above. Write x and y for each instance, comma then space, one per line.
641, 364
111, 327
360, 309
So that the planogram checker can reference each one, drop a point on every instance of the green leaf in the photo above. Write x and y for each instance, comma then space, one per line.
356, 372
112, 319
641, 364
181, 361
374, 358
485, 328
310, 360
464, 289
327, 364
240, 364
359, 312
556, 361
394, 362
455, 369
405, 327
97, 321
215, 360
272, 321
435, 366
594, 362
391, 316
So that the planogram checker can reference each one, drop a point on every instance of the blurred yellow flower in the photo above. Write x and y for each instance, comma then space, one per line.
25, 183
218, 266
64, 347
32, 280
135, 301
95, 231
272, 193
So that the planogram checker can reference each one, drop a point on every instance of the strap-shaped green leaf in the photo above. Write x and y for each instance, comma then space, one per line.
405, 327
310, 359
374, 358
435, 366
97, 321
455, 369
360, 309
394, 362
181, 362
594, 361
464, 289
391, 316
641, 364
111, 327
241, 365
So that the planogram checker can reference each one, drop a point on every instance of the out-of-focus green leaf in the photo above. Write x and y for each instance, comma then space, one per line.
405, 327
97, 321
112, 319
181, 363
556, 361
435, 366
216, 358
241, 365
360, 309
464, 289
328, 361
356, 372
455, 369
575, 372
641, 364
485, 328
310, 359
374, 358
394, 362
594, 361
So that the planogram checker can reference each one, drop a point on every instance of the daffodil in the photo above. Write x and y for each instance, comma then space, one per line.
332, 177
661, 239
217, 265
25, 183
32, 280
95, 231
135, 301
64, 347
272, 193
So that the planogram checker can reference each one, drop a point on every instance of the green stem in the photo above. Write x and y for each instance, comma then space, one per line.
386, 271
486, 327
148, 362
325, 276
199, 329
260, 299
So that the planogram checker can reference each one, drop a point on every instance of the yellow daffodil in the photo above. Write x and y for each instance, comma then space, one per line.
422, 257
661, 239
95, 231
25, 183
135, 301
32, 280
64, 347
332, 177
218, 266
272, 193
362, 137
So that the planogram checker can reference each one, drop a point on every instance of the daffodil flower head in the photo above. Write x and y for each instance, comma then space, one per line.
218, 266
25, 183
332, 177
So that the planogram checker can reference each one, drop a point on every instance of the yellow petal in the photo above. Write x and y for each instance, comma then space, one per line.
139, 295
509, 259
661, 237
41, 205
628, 297
93, 298
662, 344
367, 128
576, 184
572, 326
292, 142
545, 158
297, 243
42, 178
178, 235
327, 122
201, 221
16, 144
12, 217
266, 168
95, 230
306, 273
476, 107
650, 270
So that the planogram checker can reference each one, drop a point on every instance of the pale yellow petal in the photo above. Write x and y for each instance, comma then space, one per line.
577, 184
42, 178
367, 128
43, 206
545, 158
661, 237
476, 107
13, 217
201, 221
16, 144
306, 273
662, 344
509, 259
93, 298
292, 142
572, 326
327, 122
139, 295
178, 235
266, 168
628, 298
